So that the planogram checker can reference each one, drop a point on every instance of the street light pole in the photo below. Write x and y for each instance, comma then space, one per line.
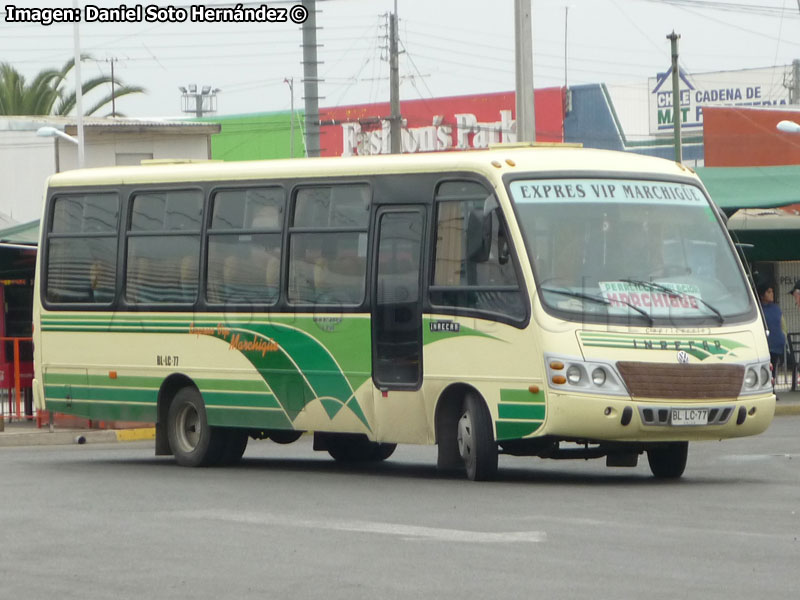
78, 91
788, 126
48, 131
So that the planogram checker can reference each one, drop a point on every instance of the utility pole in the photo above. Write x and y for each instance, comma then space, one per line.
794, 91
290, 82
676, 96
311, 79
395, 123
112, 60
76, 40
526, 119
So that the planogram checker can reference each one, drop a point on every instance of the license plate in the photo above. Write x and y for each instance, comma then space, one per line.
689, 416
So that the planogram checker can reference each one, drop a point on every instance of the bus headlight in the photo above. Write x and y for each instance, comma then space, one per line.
599, 376
750, 378
765, 376
757, 379
572, 374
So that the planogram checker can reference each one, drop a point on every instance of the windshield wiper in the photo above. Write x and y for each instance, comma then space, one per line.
599, 300
673, 294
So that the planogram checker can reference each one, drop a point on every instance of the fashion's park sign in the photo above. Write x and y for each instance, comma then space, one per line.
455, 123
467, 133
751, 87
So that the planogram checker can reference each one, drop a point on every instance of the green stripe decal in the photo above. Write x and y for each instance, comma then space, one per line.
101, 393
297, 366
104, 410
521, 396
524, 412
520, 413
515, 429
701, 347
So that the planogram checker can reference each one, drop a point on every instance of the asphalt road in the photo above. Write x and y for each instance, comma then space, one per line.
113, 521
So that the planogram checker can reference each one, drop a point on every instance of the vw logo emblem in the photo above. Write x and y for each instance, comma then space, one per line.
683, 357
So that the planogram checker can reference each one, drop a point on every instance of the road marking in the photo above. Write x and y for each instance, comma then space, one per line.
756, 457
410, 532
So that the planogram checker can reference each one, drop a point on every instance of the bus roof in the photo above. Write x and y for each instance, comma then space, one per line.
505, 160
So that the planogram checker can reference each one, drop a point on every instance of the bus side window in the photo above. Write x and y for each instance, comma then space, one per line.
473, 267
164, 247
327, 250
81, 259
244, 246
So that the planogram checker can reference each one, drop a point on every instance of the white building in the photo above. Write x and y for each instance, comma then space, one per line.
27, 160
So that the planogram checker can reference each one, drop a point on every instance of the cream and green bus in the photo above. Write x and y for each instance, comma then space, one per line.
546, 302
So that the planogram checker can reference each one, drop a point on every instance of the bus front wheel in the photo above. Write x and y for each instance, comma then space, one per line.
192, 441
668, 461
476, 443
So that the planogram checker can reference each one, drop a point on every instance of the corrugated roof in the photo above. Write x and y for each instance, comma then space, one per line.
25, 233
70, 124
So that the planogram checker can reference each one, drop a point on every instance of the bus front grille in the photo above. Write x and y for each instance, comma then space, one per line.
681, 381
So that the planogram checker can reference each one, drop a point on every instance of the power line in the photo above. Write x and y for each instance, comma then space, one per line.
758, 9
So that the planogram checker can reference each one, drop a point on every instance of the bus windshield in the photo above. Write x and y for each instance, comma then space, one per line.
628, 250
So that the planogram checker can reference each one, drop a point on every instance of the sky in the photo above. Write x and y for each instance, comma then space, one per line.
449, 47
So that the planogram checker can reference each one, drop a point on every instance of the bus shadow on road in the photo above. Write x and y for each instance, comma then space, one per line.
536, 474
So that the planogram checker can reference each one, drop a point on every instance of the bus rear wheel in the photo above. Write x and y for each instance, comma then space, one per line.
192, 441
233, 447
668, 461
357, 448
476, 443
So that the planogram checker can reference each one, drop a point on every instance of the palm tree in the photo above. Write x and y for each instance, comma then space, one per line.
47, 94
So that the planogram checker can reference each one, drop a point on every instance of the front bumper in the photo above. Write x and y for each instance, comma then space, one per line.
577, 416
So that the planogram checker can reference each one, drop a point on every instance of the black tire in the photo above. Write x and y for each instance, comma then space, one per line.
476, 444
668, 461
234, 446
383, 451
357, 448
284, 436
192, 441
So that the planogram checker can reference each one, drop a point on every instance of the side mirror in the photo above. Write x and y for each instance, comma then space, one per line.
503, 251
479, 235
479, 230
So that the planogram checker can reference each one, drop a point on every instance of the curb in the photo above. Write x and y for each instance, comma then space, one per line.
786, 409
47, 438
136, 435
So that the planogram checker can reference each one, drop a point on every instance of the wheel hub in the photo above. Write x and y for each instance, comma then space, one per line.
188, 428
465, 437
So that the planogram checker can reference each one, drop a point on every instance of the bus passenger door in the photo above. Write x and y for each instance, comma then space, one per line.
397, 325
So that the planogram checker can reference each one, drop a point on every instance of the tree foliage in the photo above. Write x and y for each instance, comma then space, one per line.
48, 92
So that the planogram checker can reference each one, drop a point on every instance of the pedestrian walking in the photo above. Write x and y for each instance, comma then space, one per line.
776, 338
